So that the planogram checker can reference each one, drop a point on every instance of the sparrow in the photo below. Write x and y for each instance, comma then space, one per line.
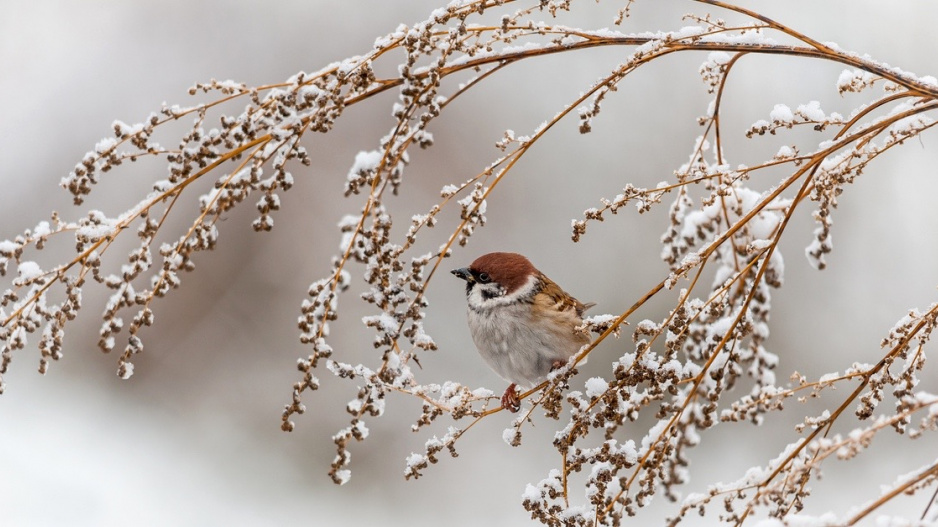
522, 323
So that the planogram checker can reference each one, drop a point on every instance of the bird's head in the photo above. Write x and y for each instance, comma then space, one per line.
495, 278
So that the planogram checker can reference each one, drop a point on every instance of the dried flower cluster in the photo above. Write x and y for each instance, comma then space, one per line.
702, 365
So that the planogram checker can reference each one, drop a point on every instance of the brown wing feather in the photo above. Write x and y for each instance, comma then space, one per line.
561, 298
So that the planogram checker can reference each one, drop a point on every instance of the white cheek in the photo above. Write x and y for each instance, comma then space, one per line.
496, 294
479, 301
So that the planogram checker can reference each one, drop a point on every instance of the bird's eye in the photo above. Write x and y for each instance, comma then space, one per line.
484, 278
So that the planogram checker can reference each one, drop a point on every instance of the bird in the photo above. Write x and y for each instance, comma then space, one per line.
522, 323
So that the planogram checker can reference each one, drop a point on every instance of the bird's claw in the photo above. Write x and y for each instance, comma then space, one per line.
510, 399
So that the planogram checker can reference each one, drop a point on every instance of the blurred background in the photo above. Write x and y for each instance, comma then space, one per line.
193, 437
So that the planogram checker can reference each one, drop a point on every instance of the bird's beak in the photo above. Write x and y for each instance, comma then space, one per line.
463, 273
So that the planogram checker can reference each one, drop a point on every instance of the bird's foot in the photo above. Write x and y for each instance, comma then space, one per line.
510, 400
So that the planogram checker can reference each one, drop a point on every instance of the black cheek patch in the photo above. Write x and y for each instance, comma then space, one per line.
489, 294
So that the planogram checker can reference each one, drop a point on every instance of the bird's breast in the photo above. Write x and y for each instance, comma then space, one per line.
520, 345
